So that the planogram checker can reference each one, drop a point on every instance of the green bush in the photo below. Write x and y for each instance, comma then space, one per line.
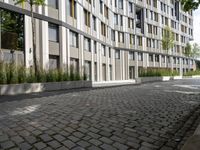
3, 77
157, 72
192, 73
12, 74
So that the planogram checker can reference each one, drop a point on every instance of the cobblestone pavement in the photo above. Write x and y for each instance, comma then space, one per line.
145, 117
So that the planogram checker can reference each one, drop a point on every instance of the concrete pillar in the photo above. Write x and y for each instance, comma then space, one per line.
63, 47
123, 65
62, 10
45, 45
28, 41
172, 63
92, 61
154, 61
68, 48
81, 53
113, 62
181, 66
107, 64
136, 65
165, 61
160, 60
100, 62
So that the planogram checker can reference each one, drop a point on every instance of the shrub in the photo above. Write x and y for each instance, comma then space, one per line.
192, 73
11, 73
3, 78
21, 74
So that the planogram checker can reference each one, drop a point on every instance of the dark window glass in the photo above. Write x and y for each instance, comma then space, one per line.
12, 30
53, 3
53, 32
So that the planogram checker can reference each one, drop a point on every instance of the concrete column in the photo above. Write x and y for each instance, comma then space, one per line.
63, 47
92, 61
136, 65
107, 64
166, 61
154, 61
45, 45
68, 48
28, 41
181, 66
81, 53
123, 65
160, 60
147, 60
62, 10
113, 62
172, 63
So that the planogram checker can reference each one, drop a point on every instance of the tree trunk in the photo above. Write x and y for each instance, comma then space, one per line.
34, 42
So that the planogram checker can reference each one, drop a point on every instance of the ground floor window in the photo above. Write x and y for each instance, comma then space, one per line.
87, 69
74, 65
103, 72
53, 62
110, 71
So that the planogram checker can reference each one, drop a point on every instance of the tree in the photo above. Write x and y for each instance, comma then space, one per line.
167, 39
188, 50
32, 3
195, 51
190, 4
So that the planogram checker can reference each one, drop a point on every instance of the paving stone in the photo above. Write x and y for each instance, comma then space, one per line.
7, 144
107, 147
120, 146
3, 138
69, 144
59, 137
17, 139
54, 144
95, 142
25, 146
106, 140
40, 145
83, 144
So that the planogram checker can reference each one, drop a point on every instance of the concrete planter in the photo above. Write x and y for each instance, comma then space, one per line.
177, 77
14, 89
153, 79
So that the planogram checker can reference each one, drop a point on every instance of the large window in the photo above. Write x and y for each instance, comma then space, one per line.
73, 39
53, 32
53, 3
11, 30
72, 8
87, 44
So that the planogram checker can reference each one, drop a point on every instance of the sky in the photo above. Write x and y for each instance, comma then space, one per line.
197, 26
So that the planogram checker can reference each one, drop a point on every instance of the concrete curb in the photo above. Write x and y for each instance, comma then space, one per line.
25, 88
193, 143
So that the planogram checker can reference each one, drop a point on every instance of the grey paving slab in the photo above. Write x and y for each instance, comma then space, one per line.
158, 116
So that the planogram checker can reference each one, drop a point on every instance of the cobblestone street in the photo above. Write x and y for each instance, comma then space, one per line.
145, 117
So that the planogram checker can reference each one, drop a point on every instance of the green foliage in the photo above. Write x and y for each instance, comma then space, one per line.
188, 50
3, 76
167, 39
190, 4
21, 74
157, 72
195, 51
192, 73
30, 2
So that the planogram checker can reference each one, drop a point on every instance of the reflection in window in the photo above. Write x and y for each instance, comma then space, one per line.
53, 32
53, 3
12, 30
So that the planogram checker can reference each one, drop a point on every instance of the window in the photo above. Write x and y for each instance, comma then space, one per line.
113, 35
87, 70
103, 29
87, 17
53, 3
101, 6
151, 57
53, 62
87, 44
131, 55
132, 39
115, 19
72, 8
53, 33
109, 52
11, 30
157, 58
121, 20
130, 7
121, 37
103, 50
117, 54
73, 39
140, 57
120, 3
95, 47
106, 11
130, 23
94, 23
139, 40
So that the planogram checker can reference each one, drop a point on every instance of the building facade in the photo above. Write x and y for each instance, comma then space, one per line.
107, 39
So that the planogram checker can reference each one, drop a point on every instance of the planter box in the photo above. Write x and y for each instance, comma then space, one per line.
153, 79
14, 89
177, 77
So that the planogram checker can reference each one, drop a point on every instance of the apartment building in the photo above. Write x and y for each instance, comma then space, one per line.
106, 39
